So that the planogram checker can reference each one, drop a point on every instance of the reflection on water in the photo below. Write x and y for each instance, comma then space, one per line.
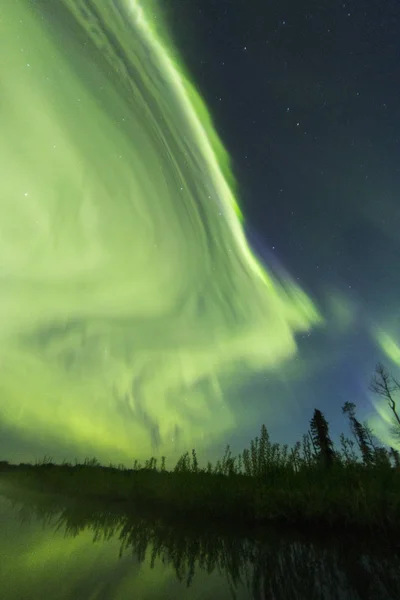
51, 547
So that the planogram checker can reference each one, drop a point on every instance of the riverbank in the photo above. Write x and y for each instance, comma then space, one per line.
344, 498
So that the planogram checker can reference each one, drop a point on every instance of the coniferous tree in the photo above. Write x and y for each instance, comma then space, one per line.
349, 408
363, 442
361, 435
321, 439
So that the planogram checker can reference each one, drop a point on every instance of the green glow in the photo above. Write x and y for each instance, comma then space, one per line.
42, 560
381, 421
389, 346
341, 311
130, 297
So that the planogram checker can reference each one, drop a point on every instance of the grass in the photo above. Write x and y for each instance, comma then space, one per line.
266, 482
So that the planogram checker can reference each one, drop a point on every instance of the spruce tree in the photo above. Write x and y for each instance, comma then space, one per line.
321, 439
362, 435
363, 442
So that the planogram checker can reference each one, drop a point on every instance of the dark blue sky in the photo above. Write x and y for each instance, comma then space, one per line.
306, 98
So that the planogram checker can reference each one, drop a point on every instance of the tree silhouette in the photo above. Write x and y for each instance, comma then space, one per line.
321, 440
385, 385
395, 454
363, 435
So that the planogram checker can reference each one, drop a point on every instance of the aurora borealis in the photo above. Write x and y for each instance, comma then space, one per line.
130, 297
133, 307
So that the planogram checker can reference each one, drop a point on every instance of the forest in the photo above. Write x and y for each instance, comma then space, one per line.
311, 484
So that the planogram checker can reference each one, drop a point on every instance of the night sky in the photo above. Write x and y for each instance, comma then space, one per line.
306, 97
150, 151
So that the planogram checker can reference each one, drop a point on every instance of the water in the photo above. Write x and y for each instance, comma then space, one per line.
52, 547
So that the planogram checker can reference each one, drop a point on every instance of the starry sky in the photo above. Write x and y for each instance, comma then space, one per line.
306, 99
199, 222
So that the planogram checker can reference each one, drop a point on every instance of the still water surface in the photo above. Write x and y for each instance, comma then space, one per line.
51, 547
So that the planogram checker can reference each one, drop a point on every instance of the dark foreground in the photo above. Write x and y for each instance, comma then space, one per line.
351, 499
57, 547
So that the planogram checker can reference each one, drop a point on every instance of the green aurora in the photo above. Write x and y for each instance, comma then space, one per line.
131, 301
